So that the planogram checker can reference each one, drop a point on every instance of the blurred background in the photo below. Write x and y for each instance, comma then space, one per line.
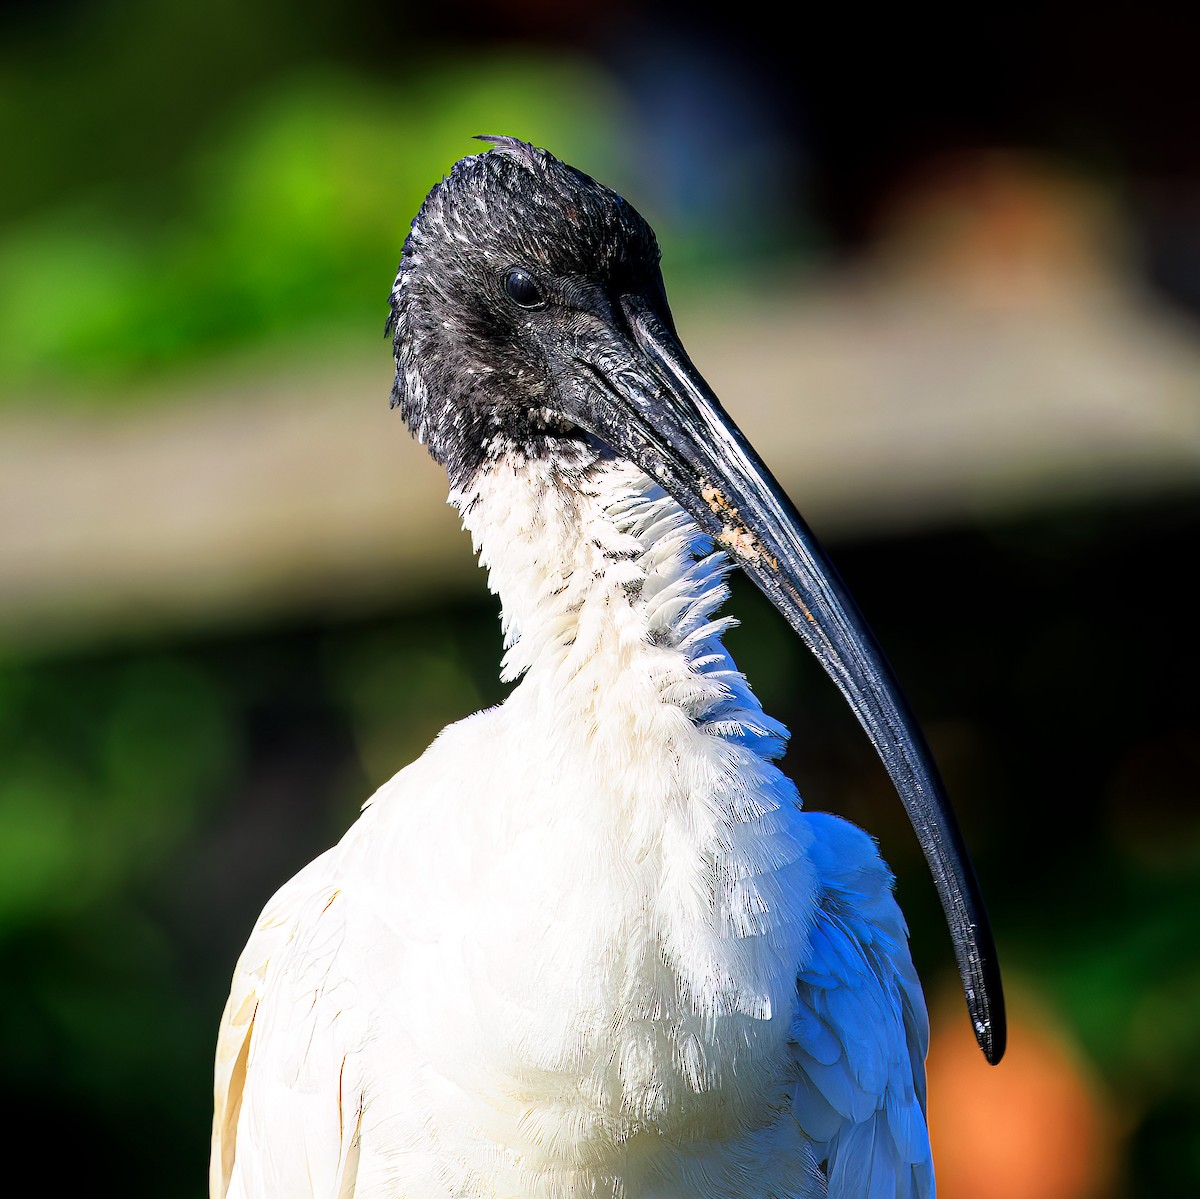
946, 276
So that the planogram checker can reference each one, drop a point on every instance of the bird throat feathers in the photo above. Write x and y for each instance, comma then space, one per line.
609, 592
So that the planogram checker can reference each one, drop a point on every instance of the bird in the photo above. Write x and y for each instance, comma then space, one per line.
590, 942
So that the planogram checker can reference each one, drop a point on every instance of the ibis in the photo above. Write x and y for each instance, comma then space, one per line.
589, 943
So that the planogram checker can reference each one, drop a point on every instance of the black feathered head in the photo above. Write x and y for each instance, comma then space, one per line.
509, 255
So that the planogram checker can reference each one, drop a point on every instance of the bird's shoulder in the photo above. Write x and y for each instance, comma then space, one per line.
289, 980
861, 1031
317, 969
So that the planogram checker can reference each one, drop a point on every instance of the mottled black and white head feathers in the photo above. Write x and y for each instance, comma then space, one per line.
506, 257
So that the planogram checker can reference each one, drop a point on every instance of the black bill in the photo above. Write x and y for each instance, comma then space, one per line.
665, 418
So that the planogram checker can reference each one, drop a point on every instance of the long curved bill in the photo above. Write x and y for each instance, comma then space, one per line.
664, 417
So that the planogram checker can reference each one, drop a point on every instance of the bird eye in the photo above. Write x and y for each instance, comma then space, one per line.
522, 289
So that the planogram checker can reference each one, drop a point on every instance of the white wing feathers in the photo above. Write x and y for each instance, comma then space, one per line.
288, 1086
290, 1083
861, 1030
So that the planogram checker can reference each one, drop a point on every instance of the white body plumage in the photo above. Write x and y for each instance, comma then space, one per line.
588, 944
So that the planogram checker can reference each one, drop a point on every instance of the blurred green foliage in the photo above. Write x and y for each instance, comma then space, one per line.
283, 233
102, 777
185, 180
108, 770
229, 225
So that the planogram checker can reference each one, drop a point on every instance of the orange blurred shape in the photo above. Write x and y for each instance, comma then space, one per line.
1001, 226
1034, 1127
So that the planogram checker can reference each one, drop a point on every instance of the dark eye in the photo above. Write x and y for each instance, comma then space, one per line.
522, 289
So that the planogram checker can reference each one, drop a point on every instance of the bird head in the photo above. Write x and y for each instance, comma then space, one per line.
513, 274
529, 316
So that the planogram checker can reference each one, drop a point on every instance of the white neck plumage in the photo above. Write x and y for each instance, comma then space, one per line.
664, 893
606, 582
